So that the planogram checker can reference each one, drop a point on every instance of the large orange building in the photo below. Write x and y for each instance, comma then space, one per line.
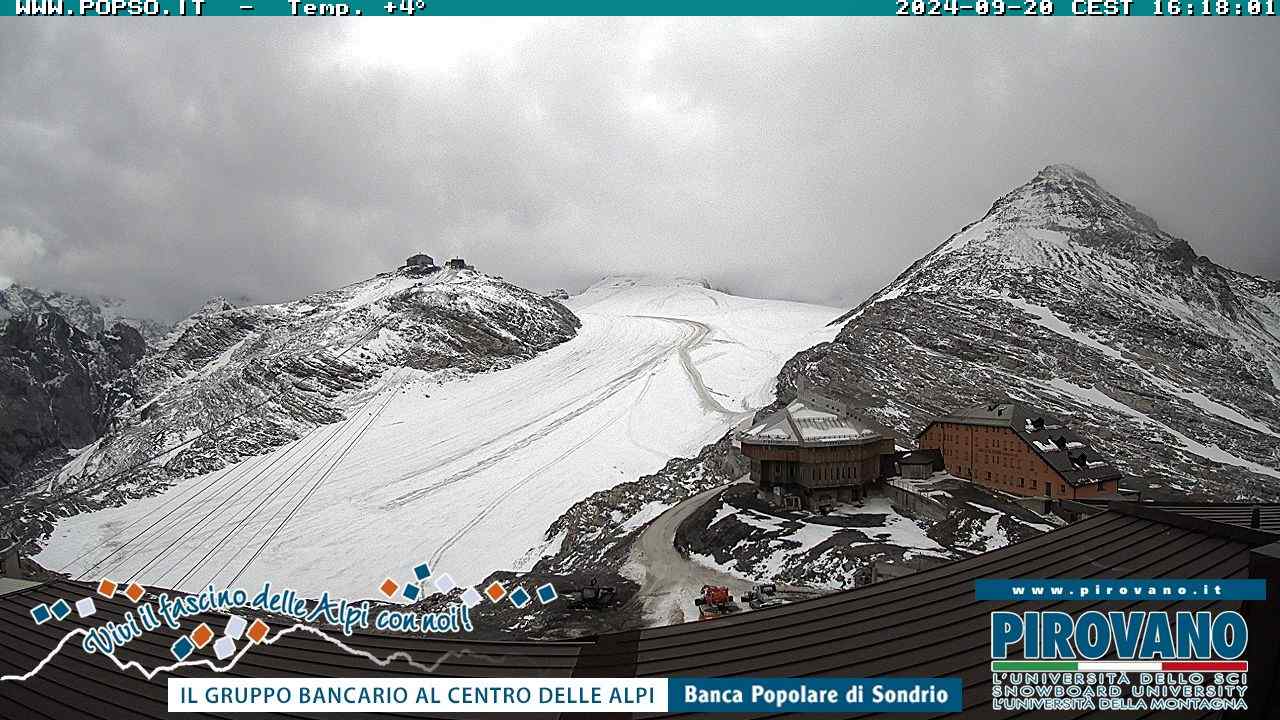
1019, 450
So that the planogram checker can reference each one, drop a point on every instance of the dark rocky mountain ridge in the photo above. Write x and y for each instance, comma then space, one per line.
59, 389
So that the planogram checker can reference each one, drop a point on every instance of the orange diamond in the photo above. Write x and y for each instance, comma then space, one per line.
258, 630
389, 587
134, 592
495, 591
202, 635
106, 588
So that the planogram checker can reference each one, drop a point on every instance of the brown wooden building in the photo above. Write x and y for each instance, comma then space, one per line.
1019, 450
815, 452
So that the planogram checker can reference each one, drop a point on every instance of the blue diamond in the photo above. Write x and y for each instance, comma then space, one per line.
411, 591
520, 597
40, 614
546, 593
422, 572
182, 648
60, 609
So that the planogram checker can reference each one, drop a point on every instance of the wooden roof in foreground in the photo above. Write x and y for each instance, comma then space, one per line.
926, 624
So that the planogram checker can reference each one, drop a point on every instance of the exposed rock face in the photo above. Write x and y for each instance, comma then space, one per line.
1068, 298
59, 388
90, 315
234, 382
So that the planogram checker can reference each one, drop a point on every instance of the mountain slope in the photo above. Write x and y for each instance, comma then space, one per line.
59, 388
1069, 298
232, 383
465, 471
89, 315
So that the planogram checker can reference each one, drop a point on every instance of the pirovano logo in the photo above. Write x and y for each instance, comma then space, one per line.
1120, 660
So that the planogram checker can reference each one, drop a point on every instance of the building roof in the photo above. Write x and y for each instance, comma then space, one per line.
1064, 450
928, 456
923, 625
813, 419
1267, 515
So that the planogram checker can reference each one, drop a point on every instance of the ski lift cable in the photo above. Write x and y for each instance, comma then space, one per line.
210, 432
259, 474
239, 470
260, 478
390, 396
253, 473
215, 480
235, 473
266, 496
203, 434
332, 463
270, 494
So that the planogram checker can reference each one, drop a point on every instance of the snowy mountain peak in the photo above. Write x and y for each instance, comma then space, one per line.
1069, 298
299, 365
1059, 229
1066, 199
90, 314
1067, 172
214, 305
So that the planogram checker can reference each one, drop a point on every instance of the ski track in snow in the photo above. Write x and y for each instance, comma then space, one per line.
467, 474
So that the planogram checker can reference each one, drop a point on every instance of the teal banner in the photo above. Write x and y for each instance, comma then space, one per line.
427, 8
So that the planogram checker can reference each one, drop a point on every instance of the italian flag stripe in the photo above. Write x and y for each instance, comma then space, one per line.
1117, 666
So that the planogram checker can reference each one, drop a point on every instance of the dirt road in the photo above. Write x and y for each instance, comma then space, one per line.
672, 580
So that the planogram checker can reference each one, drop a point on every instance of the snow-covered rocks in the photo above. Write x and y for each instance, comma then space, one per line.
1067, 298
394, 449
743, 536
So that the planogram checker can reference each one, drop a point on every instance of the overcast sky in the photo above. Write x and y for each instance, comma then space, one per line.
168, 162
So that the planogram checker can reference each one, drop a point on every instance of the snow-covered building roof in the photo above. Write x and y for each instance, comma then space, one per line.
814, 419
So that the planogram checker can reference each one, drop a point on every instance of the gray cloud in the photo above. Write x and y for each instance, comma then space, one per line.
808, 158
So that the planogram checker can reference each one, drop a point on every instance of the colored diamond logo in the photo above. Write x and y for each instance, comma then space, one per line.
235, 627
445, 583
224, 648
470, 597
389, 587
495, 591
85, 607
547, 593
520, 597
411, 592
258, 630
202, 635
60, 609
41, 614
422, 572
182, 648
107, 589
134, 592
